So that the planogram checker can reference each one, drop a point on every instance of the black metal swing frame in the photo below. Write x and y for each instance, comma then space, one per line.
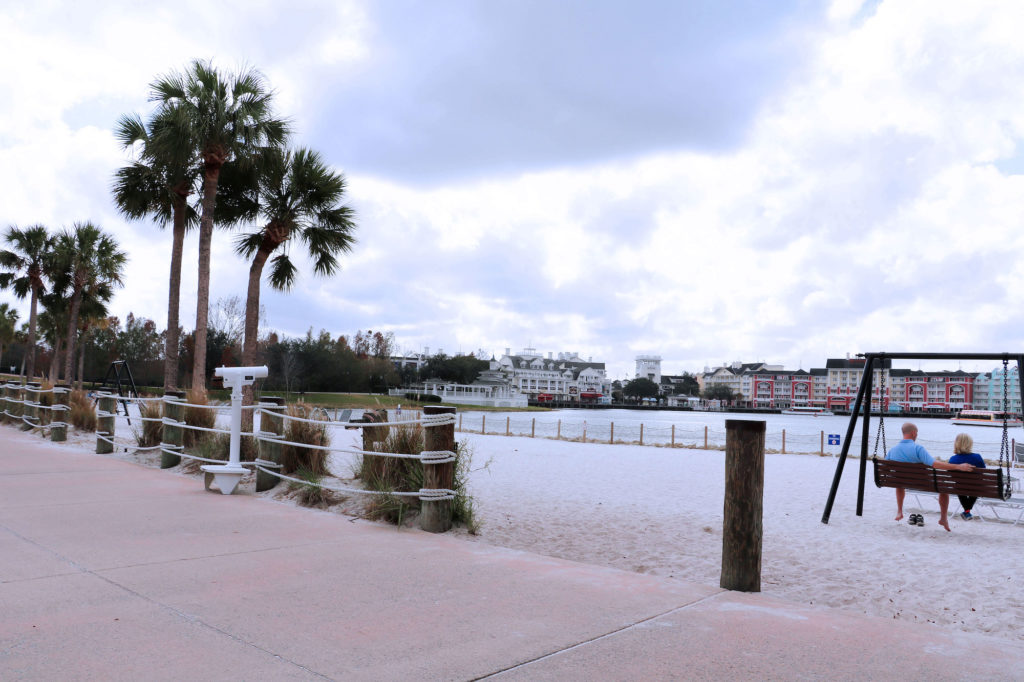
862, 408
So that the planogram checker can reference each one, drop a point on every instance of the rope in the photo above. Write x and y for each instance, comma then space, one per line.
425, 494
102, 435
427, 456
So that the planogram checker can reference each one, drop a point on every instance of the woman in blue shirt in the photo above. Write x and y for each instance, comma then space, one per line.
962, 446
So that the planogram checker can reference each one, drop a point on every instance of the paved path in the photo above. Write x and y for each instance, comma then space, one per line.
113, 571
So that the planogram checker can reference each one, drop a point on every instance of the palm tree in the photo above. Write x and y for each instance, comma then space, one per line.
89, 265
158, 185
300, 197
8, 325
229, 118
24, 271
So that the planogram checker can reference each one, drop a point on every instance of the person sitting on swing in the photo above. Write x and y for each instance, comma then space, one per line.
907, 450
963, 449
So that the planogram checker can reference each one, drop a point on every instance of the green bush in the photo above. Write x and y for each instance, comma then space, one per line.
83, 411
150, 433
296, 458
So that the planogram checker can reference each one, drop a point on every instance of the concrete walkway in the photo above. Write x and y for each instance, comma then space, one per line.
110, 570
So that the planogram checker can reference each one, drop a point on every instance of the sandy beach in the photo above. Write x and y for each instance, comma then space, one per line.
658, 511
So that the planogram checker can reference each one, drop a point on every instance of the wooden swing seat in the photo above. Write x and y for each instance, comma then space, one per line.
986, 483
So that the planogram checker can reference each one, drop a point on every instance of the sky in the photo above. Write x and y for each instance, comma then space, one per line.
782, 182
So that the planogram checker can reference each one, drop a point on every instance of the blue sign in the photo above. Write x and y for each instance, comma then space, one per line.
833, 439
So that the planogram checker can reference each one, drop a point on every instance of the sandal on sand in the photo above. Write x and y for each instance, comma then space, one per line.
920, 520
912, 519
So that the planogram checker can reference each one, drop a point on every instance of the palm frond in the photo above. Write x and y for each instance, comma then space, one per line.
283, 272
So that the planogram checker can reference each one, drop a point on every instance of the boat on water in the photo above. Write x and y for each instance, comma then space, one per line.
985, 418
812, 411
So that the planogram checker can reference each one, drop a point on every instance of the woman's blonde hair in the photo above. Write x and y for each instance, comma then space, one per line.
963, 445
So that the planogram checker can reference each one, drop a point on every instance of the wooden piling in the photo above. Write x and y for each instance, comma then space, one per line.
59, 420
436, 515
822, 451
611, 438
641, 434
705, 438
5, 391
673, 435
744, 493
533, 427
271, 421
783, 441
508, 423
559, 436
173, 434
106, 409
483, 423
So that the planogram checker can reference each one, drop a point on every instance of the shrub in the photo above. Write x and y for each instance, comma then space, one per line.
198, 416
388, 475
151, 433
83, 411
311, 494
214, 446
296, 458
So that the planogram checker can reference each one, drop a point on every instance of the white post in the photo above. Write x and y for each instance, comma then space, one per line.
227, 476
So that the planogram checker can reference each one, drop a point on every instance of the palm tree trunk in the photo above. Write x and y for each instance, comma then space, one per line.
203, 291
31, 350
252, 326
174, 297
81, 365
69, 361
55, 362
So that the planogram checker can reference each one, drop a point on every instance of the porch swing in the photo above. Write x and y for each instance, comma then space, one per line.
992, 483
989, 483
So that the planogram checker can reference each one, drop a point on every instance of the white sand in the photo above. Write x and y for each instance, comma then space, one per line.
659, 511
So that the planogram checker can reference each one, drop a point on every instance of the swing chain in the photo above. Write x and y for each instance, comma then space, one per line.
881, 417
1004, 448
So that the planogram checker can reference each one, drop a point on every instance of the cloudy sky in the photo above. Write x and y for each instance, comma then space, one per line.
708, 181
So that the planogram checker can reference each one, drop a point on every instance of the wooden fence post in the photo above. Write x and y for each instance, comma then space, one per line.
5, 391
59, 421
31, 411
173, 434
106, 413
271, 421
436, 515
744, 493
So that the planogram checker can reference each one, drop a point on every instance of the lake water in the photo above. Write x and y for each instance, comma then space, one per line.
662, 427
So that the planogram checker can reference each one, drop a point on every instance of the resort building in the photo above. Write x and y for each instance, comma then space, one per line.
649, 367
843, 377
988, 390
566, 378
